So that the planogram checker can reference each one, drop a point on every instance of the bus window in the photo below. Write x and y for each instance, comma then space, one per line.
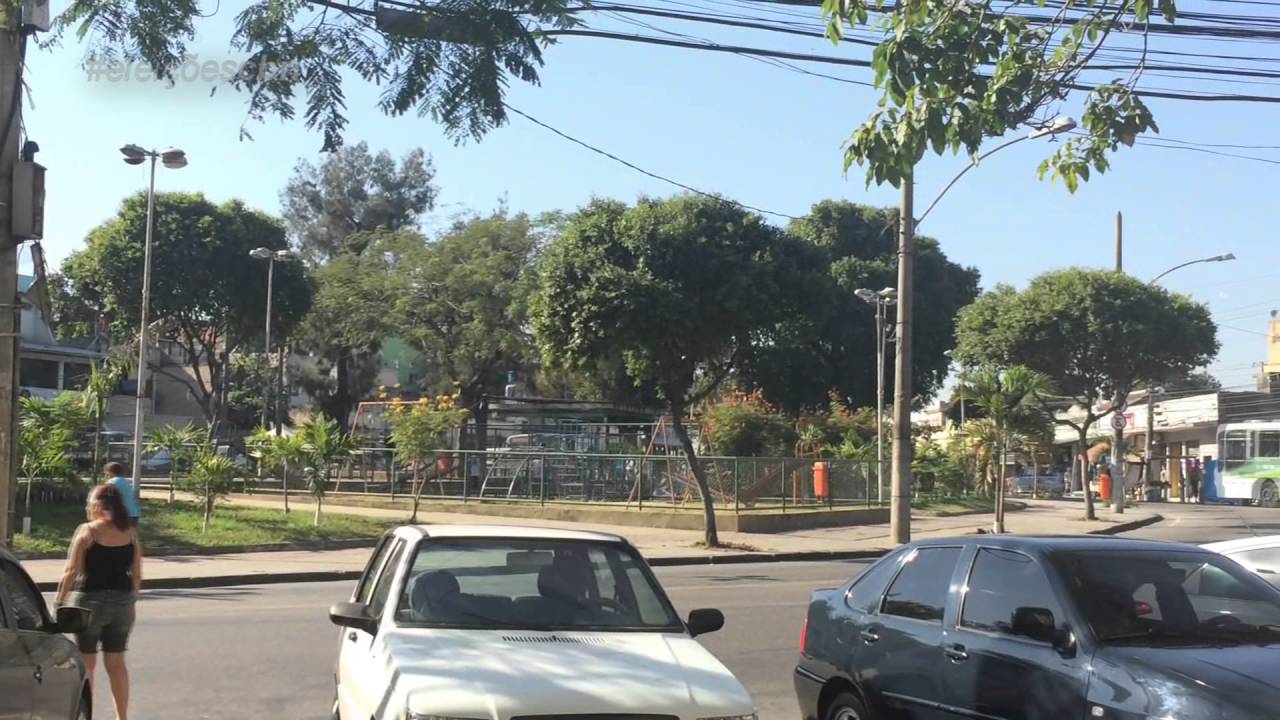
1268, 444
1236, 451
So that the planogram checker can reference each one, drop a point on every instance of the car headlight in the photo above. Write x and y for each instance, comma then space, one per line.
752, 716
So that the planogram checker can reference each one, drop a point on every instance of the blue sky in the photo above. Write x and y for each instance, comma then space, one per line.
724, 123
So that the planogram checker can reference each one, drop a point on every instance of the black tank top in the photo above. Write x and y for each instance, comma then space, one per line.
108, 567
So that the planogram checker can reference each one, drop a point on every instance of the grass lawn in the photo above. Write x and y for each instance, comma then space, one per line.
942, 507
178, 525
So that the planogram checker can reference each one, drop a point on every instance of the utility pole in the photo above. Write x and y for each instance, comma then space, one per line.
900, 500
11, 43
1119, 242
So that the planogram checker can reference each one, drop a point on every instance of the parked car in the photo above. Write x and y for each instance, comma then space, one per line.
41, 672
1044, 485
1259, 554
501, 622
1043, 629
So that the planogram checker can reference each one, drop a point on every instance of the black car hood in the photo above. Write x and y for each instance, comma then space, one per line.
1190, 683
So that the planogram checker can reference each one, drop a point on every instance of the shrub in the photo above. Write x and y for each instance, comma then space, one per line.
744, 424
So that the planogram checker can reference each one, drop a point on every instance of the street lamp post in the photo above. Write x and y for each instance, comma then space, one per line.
1216, 258
272, 257
900, 501
882, 299
173, 159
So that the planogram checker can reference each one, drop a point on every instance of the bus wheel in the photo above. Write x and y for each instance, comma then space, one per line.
1269, 496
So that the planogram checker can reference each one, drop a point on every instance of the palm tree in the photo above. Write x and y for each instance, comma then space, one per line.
278, 451
103, 380
1010, 401
211, 476
324, 444
180, 443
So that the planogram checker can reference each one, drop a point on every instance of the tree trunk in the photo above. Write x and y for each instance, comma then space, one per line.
284, 486
319, 502
998, 526
342, 390
208, 507
173, 475
1089, 512
1117, 458
711, 537
97, 438
417, 490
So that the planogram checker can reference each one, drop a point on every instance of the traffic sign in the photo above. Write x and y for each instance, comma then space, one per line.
1118, 421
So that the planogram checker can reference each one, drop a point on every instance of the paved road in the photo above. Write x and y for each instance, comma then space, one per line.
1208, 523
267, 651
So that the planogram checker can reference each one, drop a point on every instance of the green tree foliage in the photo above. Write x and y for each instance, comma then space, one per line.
324, 444
952, 75
452, 62
332, 208
73, 314
104, 381
181, 444
1097, 335
211, 479
417, 429
1011, 399
744, 424
680, 289
206, 292
830, 345
48, 431
462, 301
278, 453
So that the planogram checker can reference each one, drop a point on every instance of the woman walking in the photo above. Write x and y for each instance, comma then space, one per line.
106, 558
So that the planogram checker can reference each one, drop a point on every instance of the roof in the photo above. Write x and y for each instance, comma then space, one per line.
1050, 543
1248, 543
514, 531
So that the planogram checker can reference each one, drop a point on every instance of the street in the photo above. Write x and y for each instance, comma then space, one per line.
267, 651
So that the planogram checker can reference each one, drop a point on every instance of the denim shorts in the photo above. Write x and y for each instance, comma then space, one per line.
112, 620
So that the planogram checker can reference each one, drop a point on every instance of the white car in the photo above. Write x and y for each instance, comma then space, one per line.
1259, 554
454, 622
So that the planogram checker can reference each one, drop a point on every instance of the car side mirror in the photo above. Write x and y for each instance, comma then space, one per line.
356, 616
704, 621
1035, 623
70, 620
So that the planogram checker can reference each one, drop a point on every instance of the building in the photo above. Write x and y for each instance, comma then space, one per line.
1269, 375
47, 366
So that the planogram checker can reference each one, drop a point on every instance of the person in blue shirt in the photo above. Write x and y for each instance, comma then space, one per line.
115, 476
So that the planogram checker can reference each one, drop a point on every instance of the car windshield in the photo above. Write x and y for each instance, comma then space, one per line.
1171, 597
483, 583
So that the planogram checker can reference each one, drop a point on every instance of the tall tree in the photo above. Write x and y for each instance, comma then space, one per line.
451, 62
1011, 399
332, 208
1097, 335
831, 344
73, 314
206, 292
680, 289
462, 301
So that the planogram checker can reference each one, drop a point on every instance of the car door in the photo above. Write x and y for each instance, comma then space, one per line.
1264, 560
1000, 656
900, 659
17, 680
362, 686
53, 659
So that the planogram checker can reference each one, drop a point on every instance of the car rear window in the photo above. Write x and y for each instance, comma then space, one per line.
920, 590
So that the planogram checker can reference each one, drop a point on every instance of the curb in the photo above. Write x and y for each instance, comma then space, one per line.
740, 558
171, 550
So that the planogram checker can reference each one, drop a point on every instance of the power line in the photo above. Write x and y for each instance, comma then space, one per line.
641, 170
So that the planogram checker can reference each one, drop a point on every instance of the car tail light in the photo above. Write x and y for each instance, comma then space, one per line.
804, 636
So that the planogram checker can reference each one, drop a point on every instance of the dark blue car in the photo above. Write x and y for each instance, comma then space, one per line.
1024, 628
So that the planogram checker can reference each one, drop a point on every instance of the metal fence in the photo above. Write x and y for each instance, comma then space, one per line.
639, 481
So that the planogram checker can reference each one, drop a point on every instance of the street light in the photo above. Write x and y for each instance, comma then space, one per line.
1216, 258
272, 257
173, 159
900, 502
880, 300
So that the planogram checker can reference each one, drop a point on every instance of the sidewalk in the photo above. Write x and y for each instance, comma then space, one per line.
660, 546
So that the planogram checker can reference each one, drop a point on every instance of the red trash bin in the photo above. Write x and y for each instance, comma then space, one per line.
821, 480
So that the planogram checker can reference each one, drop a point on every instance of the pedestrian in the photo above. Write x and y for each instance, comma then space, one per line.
116, 477
105, 562
1193, 481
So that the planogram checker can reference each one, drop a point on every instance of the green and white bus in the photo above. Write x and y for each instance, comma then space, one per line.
1249, 464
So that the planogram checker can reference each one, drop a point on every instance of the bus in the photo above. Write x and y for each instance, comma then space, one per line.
1250, 462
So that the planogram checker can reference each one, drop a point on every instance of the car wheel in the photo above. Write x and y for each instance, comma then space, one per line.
846, 706
1269, 496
